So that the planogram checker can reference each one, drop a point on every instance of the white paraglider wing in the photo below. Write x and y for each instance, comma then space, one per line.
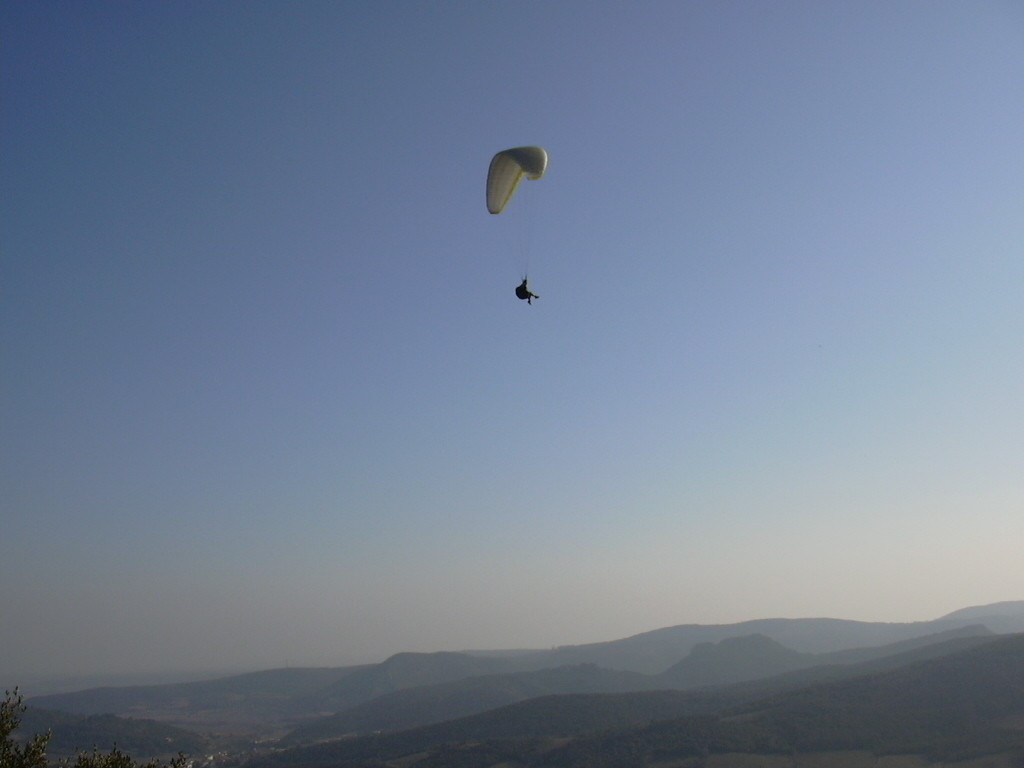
508, 168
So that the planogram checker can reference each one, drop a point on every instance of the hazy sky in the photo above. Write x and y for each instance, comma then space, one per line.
268, 397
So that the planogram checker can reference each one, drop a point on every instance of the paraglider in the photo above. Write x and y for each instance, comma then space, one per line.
523, 292
508, 168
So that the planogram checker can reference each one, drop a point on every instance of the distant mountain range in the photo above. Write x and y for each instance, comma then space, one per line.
965, 704
720, 665
734, 660
653, 652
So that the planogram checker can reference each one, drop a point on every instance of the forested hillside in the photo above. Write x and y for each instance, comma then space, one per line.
145, 739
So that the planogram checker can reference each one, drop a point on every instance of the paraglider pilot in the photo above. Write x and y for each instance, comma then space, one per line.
523, 292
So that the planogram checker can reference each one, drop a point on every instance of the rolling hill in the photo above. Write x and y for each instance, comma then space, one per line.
753, 658
412, 707
143, 739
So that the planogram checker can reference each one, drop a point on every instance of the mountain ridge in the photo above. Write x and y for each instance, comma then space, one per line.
280, 700
422, 706
954, 707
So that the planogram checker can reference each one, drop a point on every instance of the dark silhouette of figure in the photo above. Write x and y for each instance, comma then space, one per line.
523, 292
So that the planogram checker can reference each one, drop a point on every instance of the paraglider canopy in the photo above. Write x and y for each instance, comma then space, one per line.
508, 168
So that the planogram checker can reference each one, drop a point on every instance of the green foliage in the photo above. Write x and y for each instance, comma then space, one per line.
32, 754
12, 754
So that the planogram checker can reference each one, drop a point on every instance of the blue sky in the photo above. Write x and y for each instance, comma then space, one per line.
268, 397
